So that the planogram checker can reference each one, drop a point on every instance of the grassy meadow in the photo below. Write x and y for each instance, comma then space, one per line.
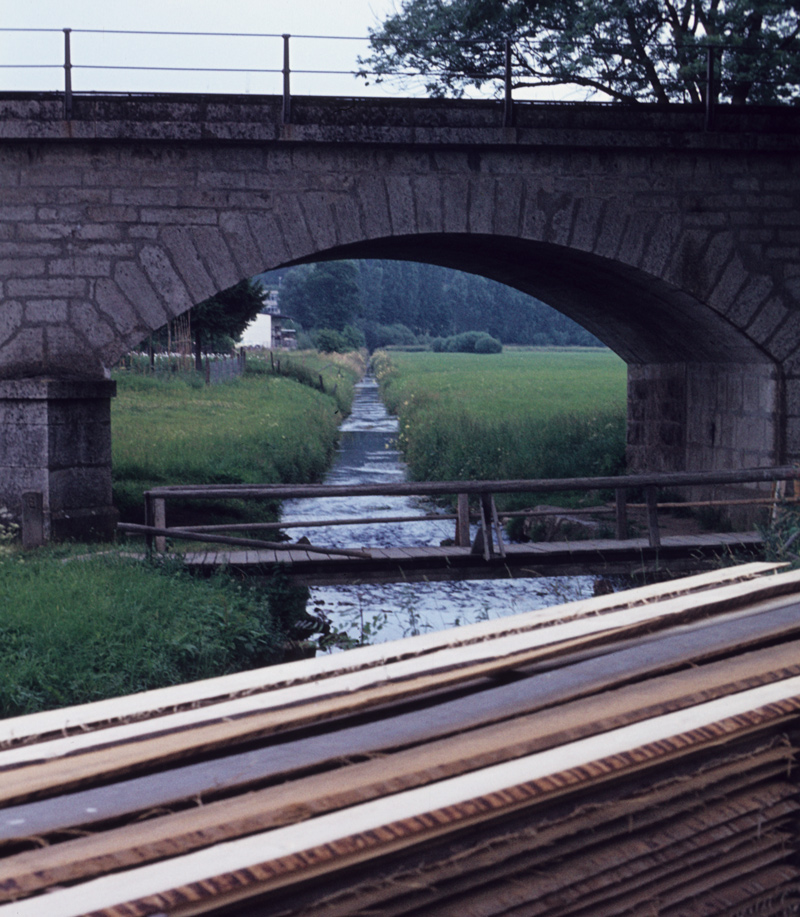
518, 414
78, 627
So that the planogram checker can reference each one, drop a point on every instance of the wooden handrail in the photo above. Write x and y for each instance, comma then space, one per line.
439, 488
155, 499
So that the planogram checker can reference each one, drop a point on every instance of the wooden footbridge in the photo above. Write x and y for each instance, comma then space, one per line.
626, 755
487, 555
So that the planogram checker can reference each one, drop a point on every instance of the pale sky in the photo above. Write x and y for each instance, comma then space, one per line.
297, 17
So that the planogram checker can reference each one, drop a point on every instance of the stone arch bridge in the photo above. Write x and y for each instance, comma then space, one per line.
677, 246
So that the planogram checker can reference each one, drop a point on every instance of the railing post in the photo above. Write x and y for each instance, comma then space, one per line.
651, 496
508, 100
160, 522
287, 93
149, 516
710, 90
622, 512
462, 521
67, 77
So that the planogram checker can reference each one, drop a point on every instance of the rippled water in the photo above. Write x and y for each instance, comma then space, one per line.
368, 454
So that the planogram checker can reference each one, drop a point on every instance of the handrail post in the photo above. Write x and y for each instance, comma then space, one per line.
621, 494
508, 100
287, 94
651, 496
67, 77
160, 522
148, 520
709, 122
462, 521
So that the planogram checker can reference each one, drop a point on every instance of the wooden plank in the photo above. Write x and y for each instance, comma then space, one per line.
157, 701
238, 869
457, 716
264, 713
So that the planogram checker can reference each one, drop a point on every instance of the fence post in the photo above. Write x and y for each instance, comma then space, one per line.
67, 77
287, 94
149, 516
32, 519
621, 494
508, 101
651, 496
462, 521
160, 522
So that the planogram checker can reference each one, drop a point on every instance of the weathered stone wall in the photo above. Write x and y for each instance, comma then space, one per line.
712, 416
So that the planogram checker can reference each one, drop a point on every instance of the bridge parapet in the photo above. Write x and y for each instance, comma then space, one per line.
243, 119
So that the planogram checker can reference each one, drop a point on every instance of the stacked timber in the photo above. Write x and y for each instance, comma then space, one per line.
631, 754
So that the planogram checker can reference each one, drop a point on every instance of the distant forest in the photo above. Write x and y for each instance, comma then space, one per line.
428, 300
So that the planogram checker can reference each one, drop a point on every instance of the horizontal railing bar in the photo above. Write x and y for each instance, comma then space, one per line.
315, 523
435, 488
137, 529
592, 510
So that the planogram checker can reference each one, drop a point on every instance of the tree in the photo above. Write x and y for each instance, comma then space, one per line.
324, 295
224, 316
627, 50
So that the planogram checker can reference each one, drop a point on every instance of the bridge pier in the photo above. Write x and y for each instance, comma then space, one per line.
709, 416
56, 443
706, 416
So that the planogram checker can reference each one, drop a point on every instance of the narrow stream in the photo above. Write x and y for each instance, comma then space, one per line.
368, 454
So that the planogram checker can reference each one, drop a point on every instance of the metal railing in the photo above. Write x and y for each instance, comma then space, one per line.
490, 520
503, 81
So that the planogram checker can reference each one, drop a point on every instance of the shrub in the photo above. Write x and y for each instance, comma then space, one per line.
485, 343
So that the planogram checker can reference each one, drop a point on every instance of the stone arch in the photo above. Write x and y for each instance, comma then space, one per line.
682, 258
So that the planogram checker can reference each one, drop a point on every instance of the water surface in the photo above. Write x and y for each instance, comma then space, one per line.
368, 454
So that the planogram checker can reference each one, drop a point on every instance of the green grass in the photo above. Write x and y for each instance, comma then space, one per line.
80, 628
515, 415
261, 428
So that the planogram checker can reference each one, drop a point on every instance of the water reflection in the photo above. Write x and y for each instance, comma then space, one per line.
368, 454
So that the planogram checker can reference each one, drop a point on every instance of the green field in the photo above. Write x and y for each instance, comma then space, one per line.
519, 414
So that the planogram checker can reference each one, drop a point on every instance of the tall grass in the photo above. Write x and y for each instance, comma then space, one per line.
255, 429
515, 415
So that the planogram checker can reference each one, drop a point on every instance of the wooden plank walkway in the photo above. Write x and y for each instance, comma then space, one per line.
677, 553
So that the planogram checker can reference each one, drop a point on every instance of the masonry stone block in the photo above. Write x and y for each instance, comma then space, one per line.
400, 197
241, 241
269, 230
318, 208
165, 280
137, 289
187, 262
212, 247
56, 440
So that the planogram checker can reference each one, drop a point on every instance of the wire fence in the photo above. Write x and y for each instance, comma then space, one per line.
134, 61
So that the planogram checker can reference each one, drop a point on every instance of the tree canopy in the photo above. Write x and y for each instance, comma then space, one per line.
627, 50
322, 295
408, 302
